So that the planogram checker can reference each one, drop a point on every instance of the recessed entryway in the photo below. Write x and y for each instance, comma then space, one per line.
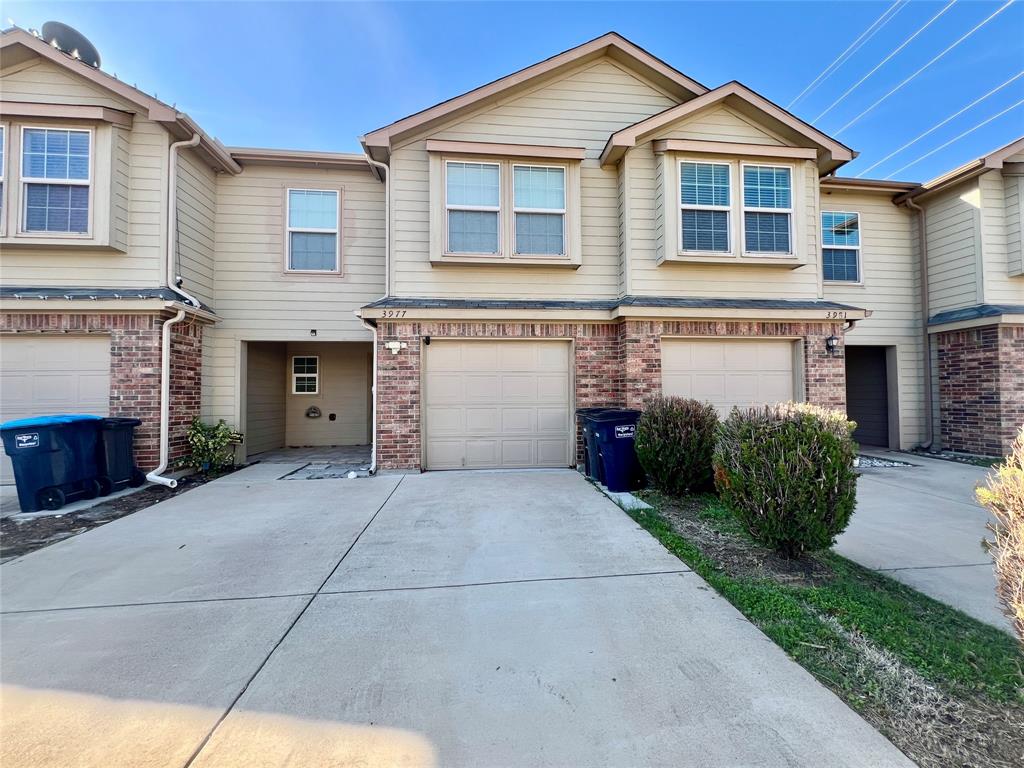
499, 403
306, 395
867, 393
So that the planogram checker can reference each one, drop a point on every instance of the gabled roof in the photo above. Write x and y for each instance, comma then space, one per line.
17, 46
994, 160
734, 94
378, 142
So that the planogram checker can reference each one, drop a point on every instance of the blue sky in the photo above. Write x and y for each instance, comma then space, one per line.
318, 75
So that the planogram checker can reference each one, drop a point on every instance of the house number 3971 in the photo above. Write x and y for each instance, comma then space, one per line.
835, 314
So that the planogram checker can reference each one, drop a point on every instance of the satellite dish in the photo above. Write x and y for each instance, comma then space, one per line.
71, 41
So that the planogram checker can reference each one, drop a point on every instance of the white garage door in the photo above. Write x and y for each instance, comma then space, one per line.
728, 373
40, 375
497, 404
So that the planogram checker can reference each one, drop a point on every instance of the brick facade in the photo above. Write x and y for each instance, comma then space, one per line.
981, 388
135, 346
616, 364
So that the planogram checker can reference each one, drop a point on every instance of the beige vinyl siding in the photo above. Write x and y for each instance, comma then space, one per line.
579, 108
344, 383
197, 207
953, 248
265, 397
257, 300
719, 123
997, 284
130, 171
1014, 207
724, 280
891, 290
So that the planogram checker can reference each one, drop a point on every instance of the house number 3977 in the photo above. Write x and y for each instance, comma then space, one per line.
394, 313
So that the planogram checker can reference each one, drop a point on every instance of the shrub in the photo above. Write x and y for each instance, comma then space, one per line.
1004, 498
786, 472
211, 445
675, 439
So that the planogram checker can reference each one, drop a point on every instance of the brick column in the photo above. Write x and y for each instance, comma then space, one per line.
824, 374
398, 397
641, 354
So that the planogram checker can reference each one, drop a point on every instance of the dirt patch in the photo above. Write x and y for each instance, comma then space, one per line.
738, 556
21, 534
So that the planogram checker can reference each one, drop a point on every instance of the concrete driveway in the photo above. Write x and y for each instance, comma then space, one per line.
447, 619
921, 525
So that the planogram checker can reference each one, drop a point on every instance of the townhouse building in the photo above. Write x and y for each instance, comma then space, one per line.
593, 230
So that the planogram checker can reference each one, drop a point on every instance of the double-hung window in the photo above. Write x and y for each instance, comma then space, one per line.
56, 172
305, 375
840, 252
705, 204
313, 229
473, 207
539, 209
767, 209
3, 173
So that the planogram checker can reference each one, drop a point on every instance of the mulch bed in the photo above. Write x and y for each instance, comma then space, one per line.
21, 534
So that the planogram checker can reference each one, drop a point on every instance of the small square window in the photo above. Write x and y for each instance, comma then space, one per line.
840, 254
305, 375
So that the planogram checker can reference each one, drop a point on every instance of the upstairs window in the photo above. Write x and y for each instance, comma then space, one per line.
56, 175
313, 228
473, 207
539, 208
305, 375
3, 172
767, 209
704, 199
840, 252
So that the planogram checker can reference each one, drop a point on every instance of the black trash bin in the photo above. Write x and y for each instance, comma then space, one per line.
615, 430
591, 462
115, 459
54, 459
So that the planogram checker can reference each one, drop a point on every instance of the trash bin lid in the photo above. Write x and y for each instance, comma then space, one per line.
49, 421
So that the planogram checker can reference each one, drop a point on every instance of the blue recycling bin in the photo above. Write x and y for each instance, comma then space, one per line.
54, 459
591, 460
615, 432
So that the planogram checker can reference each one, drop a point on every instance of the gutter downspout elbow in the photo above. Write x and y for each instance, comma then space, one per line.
156, 476
926, 342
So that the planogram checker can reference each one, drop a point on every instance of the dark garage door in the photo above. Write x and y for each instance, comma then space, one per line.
867, 394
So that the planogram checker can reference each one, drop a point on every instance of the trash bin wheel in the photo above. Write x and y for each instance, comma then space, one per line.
138, 478
91, 489
51, 499
106, 485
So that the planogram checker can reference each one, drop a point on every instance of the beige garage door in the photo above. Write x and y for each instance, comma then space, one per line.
40, 375
728, 372
497, 404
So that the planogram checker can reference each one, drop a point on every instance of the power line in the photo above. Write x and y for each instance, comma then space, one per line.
866, 35
880, 64
1002, 8
957, 138
939, 125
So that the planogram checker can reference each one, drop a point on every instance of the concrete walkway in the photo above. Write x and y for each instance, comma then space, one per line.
447, 619
921, 525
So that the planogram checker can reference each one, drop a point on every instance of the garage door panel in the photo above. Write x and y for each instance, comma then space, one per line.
727, 373
41, 375
514, 399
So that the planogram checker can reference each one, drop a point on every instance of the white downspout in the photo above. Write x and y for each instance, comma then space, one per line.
156, 476
387, 292
373, 390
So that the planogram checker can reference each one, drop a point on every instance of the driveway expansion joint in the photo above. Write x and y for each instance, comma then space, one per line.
932, 567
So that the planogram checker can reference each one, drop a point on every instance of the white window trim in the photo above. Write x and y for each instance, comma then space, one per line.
289, 229
24, 181
744, 210
857, 248
4, 132
485, 208
684, 207
295, 376
563, 211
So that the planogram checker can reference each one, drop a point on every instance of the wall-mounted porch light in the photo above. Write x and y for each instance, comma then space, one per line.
831, 345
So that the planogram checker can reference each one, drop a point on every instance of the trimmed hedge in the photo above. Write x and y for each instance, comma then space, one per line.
786, 471
675, 440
